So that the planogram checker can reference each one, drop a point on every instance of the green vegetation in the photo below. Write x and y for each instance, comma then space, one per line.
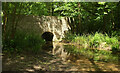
83, 17
97, 47
23, 42
97, 40
94, 29
93, 54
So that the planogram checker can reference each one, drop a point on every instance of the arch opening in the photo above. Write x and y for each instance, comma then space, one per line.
48, 36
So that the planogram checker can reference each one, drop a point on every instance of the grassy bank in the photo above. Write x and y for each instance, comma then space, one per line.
98, 46
93, 54
97, 41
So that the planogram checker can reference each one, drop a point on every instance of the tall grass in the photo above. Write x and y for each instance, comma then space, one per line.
96, 55
97, 40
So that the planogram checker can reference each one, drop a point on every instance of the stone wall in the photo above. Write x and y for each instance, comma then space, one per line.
41, 24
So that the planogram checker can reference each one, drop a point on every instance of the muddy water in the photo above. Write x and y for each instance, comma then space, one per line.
56, 57
81, 61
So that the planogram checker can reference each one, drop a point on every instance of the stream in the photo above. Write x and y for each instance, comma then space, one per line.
84, 59
58, 56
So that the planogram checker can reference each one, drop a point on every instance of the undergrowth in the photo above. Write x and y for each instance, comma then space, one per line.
23, 42
93, 54
97, 40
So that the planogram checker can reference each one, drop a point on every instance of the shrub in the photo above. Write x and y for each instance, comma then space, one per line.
95, 40
23, 41
69, 36
98, 40
81, 40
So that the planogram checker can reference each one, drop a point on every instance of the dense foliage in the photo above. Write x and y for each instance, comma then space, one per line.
23, 42
92, 41
97, 40
84, 18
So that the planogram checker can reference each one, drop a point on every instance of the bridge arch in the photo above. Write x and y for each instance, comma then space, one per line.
47, 36
41, 24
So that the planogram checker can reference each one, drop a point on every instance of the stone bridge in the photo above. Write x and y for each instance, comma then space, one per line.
40, 24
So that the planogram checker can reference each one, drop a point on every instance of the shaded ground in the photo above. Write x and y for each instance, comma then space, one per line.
46, 61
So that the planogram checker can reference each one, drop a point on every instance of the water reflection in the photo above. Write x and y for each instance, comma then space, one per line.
82, 59
58, 50
48, 46
70, 52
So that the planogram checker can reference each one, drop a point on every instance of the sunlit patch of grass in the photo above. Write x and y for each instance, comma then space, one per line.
94, 54
98, 41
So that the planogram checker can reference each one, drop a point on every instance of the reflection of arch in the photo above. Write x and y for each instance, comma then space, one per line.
48, 36
58, 50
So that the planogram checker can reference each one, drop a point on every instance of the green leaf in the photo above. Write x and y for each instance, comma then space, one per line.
101, 3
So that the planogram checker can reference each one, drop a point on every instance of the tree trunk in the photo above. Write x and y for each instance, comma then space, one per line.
4, 23
13, 22
79, 19
52, 9
104, 23
4, 20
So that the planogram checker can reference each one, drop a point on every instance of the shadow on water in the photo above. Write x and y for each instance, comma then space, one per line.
48, 46
82, 60
56, 56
